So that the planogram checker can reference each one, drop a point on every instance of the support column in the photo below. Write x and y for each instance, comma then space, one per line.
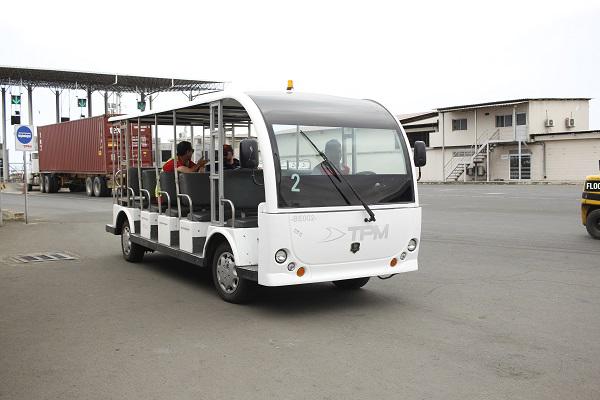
89, 101
57, 95
150, 102
105, 103
487, 160
443, 150
4, 144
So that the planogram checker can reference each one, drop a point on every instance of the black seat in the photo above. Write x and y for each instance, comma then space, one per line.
167, 184
244, 189
149, 184
197, 186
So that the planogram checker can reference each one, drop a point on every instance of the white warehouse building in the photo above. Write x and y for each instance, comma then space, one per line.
480, 142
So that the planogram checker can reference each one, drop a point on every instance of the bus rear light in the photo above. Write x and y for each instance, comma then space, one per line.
300, 272
393, 262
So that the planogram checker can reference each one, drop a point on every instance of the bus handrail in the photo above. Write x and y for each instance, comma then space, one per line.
130, 189
232, 211
189, 199
168, 200
142, 198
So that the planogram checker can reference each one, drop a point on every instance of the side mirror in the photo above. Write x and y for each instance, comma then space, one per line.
420, 154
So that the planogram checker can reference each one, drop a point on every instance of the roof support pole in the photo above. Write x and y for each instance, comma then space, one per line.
89, 101
4, 146
57, 95
30, 104
150, 102
175, 159
105, 103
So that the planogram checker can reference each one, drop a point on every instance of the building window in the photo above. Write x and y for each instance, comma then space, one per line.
503, 121
459, 124
521, 119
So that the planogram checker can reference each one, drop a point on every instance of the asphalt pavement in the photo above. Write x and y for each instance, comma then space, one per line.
505, 306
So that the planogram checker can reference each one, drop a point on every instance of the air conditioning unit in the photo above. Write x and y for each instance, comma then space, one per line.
570, 122
549, 123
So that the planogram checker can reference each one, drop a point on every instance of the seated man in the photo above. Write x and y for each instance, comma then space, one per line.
184, 160
333, 152
230, 161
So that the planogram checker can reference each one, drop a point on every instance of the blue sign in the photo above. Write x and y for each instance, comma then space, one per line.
24, 134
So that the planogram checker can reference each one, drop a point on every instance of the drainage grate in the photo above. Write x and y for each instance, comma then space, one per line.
41, 257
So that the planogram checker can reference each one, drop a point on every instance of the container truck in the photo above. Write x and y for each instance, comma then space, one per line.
78, 155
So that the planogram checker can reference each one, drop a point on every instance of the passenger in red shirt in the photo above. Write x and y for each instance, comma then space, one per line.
184, 160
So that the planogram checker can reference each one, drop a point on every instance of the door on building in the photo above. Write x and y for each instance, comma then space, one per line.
525, 166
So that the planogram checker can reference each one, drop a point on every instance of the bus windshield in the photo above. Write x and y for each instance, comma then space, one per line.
373, 160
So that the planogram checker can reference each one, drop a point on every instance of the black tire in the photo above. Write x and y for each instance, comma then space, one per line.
132, 252
592, 223
54, 186
100, 188
230, 287
89, 186
351, 284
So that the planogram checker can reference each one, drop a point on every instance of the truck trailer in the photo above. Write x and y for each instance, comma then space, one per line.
78, 155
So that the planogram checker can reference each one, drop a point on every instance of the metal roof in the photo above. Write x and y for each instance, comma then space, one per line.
16, 76
508, 103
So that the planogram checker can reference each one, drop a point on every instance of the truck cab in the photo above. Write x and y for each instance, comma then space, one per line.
590, 205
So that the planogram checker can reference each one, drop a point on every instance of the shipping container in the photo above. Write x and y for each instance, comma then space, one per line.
73, 154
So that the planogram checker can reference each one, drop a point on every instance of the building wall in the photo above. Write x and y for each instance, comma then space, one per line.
558, 110
486, 126
572, 159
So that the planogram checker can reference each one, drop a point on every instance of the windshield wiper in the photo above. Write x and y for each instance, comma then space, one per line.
341, 177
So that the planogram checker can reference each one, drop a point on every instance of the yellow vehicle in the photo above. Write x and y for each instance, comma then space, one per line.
590, 205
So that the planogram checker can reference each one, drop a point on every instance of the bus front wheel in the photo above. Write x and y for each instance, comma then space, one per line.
352, 284
229, 285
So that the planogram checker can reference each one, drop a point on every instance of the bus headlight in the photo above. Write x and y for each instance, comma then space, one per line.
412, 245
280, 256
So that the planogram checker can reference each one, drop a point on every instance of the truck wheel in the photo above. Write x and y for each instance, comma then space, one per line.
592, 224
46, 183
132, 252
351, 284
89, 186
54, 186
100, 189
43, 184
230, 287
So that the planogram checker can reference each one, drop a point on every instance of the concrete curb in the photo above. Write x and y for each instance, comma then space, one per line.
9, 215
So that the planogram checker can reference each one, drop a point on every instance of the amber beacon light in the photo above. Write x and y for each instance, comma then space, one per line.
290, 85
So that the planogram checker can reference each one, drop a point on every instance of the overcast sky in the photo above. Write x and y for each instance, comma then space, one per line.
411, 56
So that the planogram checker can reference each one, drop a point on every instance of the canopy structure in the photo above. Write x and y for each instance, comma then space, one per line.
58, 80
55, 79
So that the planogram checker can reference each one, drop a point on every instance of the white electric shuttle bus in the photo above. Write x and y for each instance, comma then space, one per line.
327, 191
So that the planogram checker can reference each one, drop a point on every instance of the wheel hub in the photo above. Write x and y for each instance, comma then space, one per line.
226, 273
125, 240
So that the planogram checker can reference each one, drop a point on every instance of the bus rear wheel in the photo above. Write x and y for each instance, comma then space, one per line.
592, 224
351, 284
132, 252
229, 285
